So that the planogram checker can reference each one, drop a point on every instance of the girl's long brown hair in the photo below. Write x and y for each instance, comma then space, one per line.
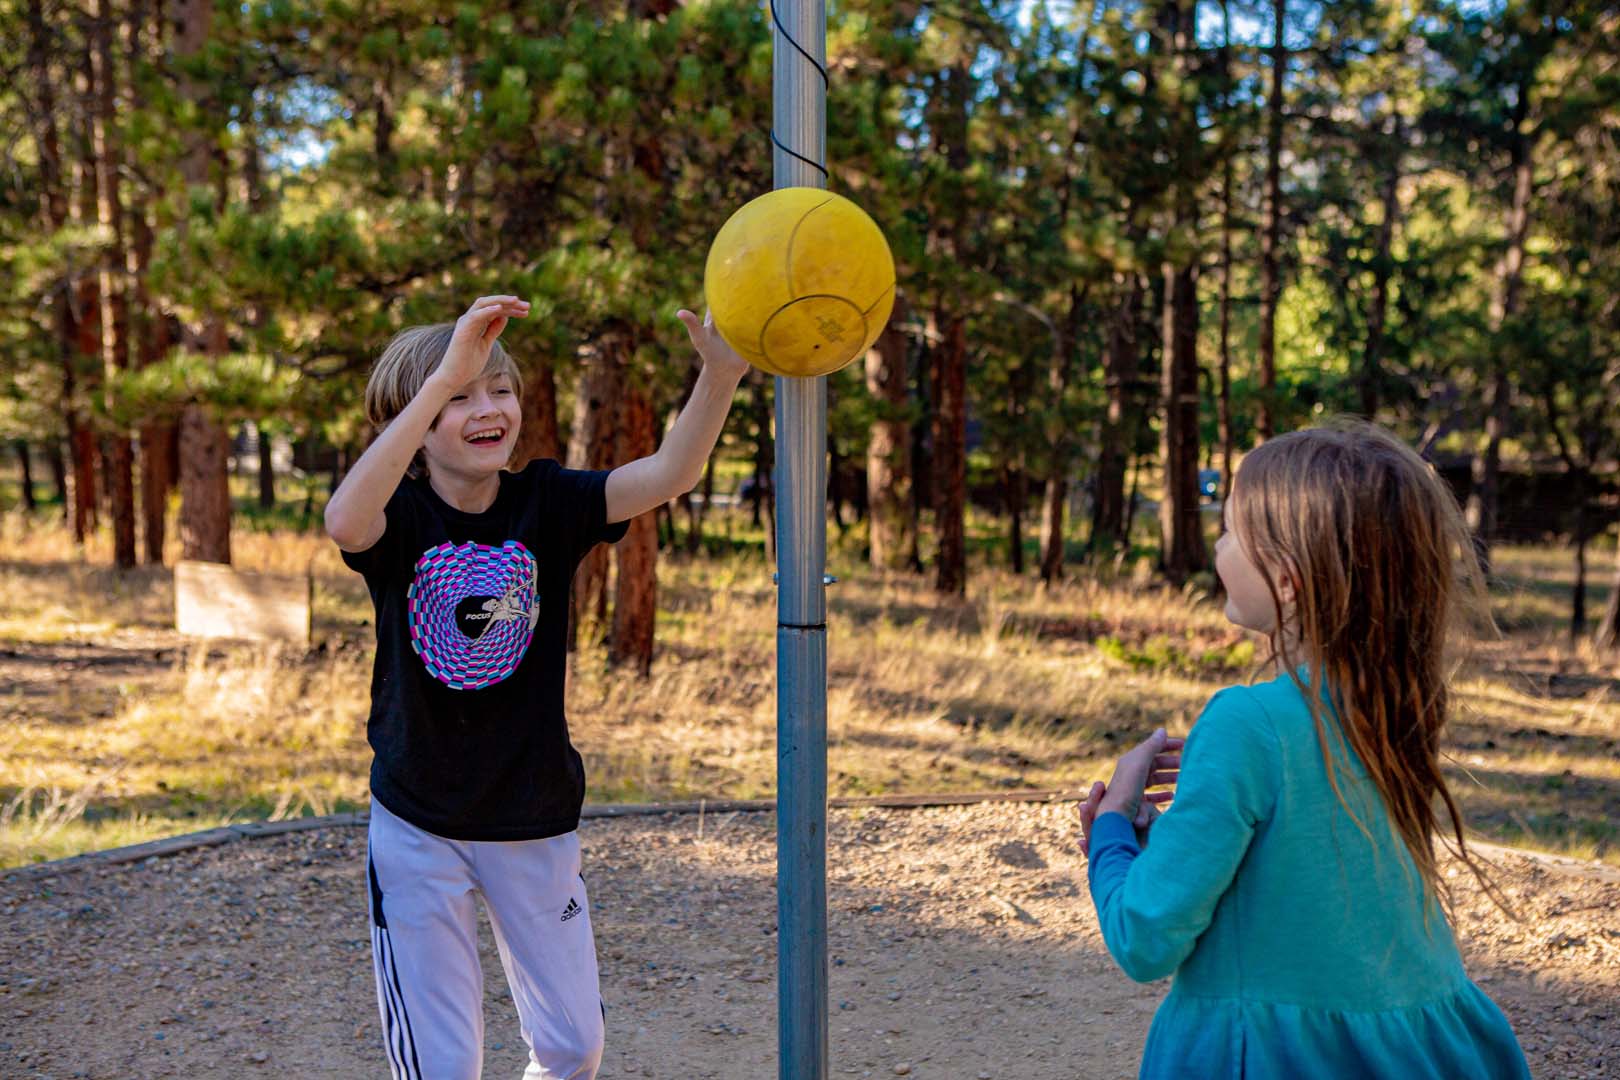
1381, 570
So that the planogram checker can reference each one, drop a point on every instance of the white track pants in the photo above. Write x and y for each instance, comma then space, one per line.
424, 947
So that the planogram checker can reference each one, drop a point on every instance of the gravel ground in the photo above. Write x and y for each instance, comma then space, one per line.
962, 948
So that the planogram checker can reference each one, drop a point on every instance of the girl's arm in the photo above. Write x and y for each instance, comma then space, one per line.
1153, 904
354, 514
678, 465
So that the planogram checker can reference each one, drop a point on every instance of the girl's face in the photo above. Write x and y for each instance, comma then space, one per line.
1248, 601
476, 432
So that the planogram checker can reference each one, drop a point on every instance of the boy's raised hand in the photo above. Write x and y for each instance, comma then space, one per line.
475, 334
717, 355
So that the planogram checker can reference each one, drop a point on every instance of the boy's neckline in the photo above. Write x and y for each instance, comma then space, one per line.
444, 501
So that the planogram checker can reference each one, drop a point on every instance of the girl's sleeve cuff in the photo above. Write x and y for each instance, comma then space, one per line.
1113, 849
1113, 829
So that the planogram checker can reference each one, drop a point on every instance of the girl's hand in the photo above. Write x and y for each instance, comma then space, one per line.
1154, 761
1146, 814
1088, 814
718, 356
475, 335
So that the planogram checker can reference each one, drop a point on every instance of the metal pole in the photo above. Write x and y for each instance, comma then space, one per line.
798, 102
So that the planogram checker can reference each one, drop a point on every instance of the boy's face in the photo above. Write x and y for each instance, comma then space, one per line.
1248, 601
477, 430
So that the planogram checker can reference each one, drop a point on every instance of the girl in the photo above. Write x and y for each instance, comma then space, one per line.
1293, 889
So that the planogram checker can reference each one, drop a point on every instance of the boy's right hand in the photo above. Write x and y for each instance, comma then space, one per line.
476, 332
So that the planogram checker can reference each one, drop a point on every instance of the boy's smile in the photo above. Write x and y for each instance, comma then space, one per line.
475, 434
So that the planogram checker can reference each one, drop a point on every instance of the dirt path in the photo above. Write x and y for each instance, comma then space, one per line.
961, 948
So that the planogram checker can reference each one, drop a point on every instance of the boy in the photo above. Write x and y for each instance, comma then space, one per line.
475, 787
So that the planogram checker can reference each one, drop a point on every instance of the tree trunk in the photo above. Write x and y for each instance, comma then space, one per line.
1180, 527
109, 156
1015, 488
763, 499
1116, 441
340, 466
82, 440
157, 479
891, 512
82, 315
1224, 391
922, 433
1484, 499
120, 465
1383, 269
382, 147
149, 330
26, 462
836, 496
205, 497
698, 509
591, 446
950, 453
41, 46
267, 470
541, 436
1131, 502
81, 510
636, 556
58, 467
1224, 401
1055, 494
950, 354
87, 315
1271, 228
205, 501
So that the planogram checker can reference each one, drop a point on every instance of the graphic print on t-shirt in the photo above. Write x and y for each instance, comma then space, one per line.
472, 610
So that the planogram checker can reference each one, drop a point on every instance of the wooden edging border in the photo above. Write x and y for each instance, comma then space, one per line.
253, 830
174, 845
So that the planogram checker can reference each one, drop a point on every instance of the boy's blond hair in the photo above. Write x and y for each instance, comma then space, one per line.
406, 362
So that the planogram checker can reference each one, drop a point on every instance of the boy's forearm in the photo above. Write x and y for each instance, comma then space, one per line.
677, 467
365, 491
691, 439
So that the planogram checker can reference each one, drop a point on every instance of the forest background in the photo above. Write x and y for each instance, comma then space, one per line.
1133, 240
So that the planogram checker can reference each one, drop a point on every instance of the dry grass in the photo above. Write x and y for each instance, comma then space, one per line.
114, 730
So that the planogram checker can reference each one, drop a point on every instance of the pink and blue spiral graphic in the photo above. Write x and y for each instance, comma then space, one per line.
472, 610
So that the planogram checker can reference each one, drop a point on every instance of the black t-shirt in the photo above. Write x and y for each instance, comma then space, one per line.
467, 723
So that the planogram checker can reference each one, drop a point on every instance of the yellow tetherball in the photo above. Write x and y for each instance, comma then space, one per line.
800, 281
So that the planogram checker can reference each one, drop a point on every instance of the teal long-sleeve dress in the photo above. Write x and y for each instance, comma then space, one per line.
1300, 947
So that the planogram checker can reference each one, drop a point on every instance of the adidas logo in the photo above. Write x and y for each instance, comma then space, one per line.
571, 910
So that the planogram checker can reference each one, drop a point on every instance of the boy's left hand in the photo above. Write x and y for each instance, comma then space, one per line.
718, 356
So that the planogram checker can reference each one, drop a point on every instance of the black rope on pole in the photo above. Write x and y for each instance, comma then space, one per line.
825, 86
788, 150
777, 19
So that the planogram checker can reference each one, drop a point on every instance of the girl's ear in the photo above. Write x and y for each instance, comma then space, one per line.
1287, 589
